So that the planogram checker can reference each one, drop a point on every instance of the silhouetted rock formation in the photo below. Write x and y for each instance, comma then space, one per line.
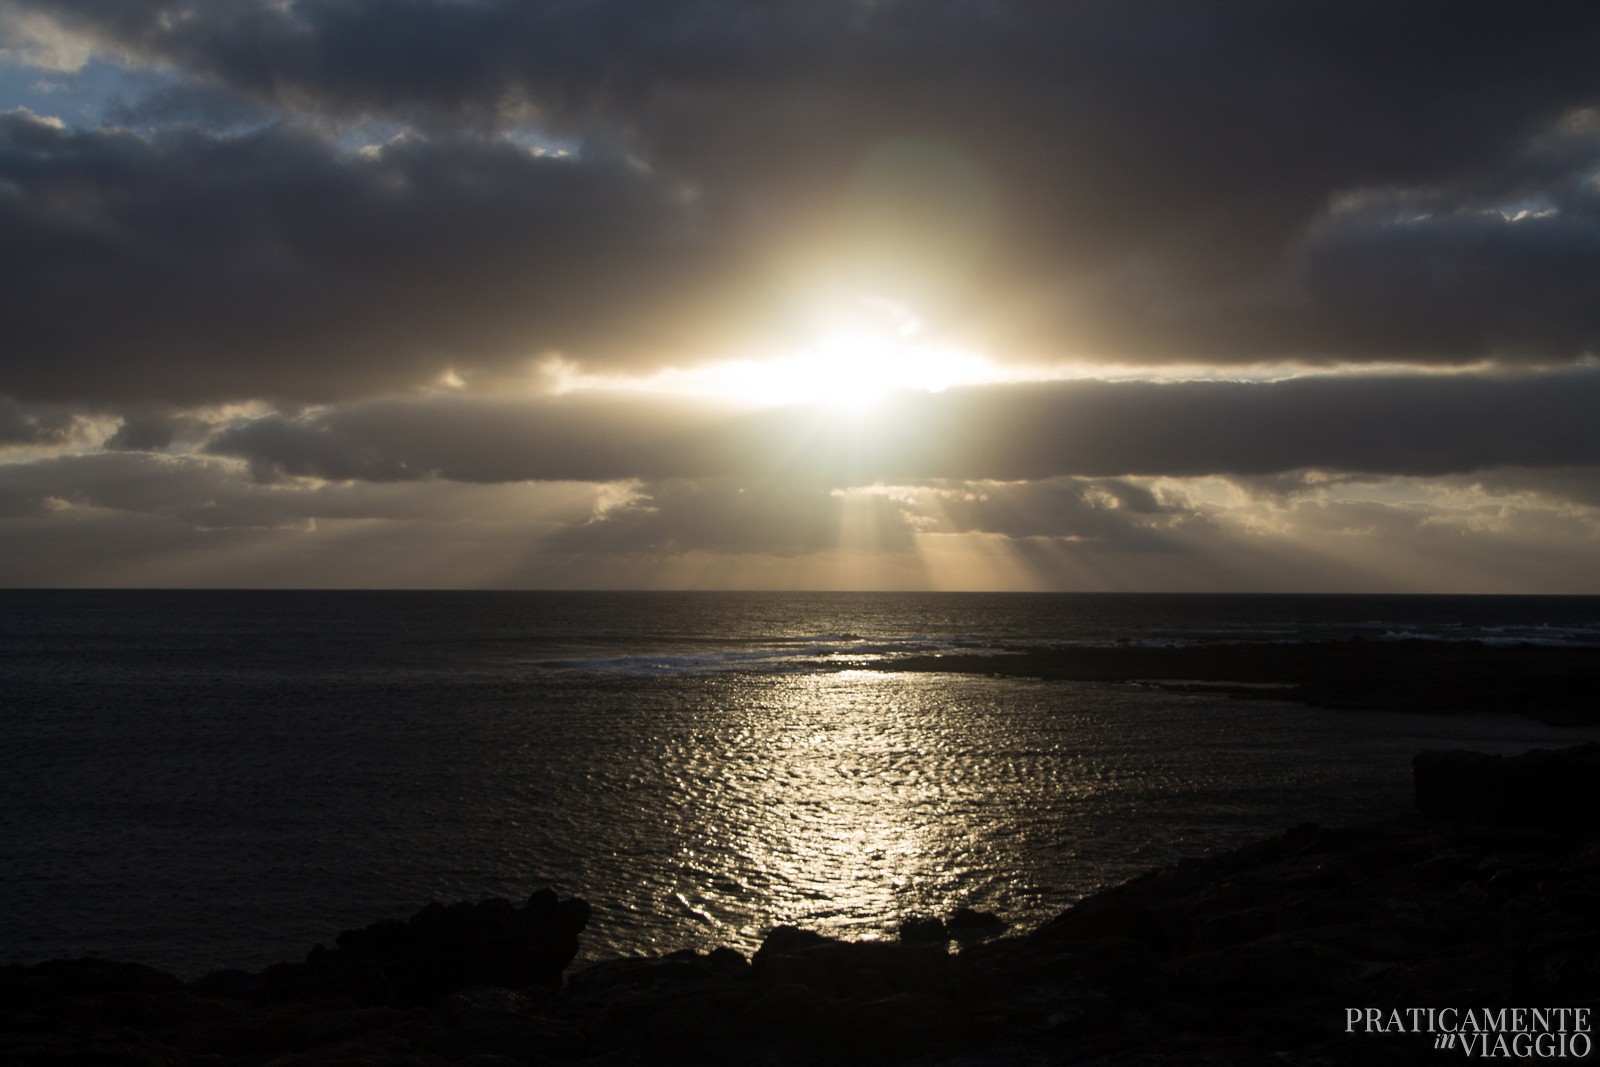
440, 950
1254, 956
1543, 788
969, 924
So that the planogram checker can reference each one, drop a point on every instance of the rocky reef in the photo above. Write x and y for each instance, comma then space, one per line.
1287, 951
1553, 684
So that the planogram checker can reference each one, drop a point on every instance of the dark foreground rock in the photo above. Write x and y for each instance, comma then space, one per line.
1257, 956
438, 951
1541, 787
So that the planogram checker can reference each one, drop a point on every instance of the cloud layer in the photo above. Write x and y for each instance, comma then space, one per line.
1336, 183
1284, 295
189, 267
1388, 425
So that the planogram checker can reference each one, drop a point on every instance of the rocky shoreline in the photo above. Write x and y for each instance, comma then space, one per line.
1488, 898
1553, 684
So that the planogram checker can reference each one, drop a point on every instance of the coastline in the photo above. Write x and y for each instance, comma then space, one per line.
1551, 684
1487, 898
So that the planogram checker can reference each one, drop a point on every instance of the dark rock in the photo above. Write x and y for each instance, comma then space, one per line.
727, 961
1542, 787
443, 949
516, 1039
787, 1010
1235, 926
968, 923
1120, 965
483, 1002
490, 1059
1447, 868
1272, 966
784, 939
334, 976
924, 928
708, 1015
274, 1032
902, 1023
237, 984
798, 968
1554, 685
869, 968
1109, 914
676, 969
79, 978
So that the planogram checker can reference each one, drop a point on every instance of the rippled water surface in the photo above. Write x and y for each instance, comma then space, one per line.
199, 780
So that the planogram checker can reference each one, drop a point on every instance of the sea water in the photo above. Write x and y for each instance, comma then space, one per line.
204, 779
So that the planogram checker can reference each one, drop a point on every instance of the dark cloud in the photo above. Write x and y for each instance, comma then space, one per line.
1418, 276
127, 518
478, 439
1418, 425
1374, 89
173, 104
1556, 488
798, 516
35, 424
184, 488
788, 518
142, 433
1145, 183
1571, 485
161, 427
1093, 513
188, 267
210, 494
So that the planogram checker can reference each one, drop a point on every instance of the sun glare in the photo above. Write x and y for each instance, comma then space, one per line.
850, 371
854, 364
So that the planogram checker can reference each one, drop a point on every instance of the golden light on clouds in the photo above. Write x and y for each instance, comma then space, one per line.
865, 351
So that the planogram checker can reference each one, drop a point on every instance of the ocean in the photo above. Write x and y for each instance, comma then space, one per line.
201, 779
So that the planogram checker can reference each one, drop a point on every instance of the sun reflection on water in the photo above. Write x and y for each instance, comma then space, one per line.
847, 802
834, 811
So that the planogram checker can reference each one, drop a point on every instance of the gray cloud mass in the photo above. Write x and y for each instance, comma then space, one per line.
34, 424
186, 267
320, 291
1412, 425
1146, 183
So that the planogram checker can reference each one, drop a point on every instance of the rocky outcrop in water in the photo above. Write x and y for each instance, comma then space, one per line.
1550, 684
1257, 956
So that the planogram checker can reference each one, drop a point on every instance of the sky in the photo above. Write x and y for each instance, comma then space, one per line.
1235, 295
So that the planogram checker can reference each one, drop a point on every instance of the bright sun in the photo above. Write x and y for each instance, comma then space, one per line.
855, 363
848, 370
